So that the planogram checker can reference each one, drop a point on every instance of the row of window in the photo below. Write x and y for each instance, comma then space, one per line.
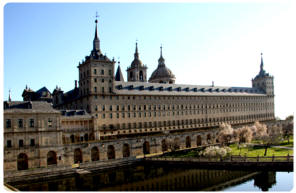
240, 99
158, 114
84, 75
181, 107
20, 143
186, 122
20, 123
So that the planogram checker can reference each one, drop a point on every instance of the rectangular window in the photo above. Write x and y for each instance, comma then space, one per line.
102, 72
20, 123
95, 88
21, 143
8, 144
49, 122
8, 123
31, 123
95, 71
32, 142
110, 72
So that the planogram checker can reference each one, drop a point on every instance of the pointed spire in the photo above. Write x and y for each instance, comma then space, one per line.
136, 52
9, 97
261, 65
96, 42
161, 59
118, 75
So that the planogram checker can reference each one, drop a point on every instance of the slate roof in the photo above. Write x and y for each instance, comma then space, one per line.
29, 107
143, 88
71, 95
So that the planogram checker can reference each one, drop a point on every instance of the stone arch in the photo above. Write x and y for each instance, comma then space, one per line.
198, 140
95, 156
77, 156
188, 142
125, 150
176, 143
164, 145
51, 158
146, 148
111, 152
22, 161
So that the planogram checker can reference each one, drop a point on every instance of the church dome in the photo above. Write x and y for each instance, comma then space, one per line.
162, 74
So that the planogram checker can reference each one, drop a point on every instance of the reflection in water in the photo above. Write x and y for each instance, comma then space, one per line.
265, 180
152, 177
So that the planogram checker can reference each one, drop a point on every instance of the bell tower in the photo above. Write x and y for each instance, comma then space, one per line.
263, 80
137, 72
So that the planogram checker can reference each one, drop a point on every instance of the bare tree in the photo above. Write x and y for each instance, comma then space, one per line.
269, 136
259, 130
245, 134
225, 134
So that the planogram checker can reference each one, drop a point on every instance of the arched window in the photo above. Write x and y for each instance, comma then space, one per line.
125, 150
22, 161
198, 140
77, 156
141, 75
111, 152
51, 158
86, 137
188, 142
146, 148
95, 154
72, 138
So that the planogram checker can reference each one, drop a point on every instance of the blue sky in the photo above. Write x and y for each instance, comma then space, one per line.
202, 42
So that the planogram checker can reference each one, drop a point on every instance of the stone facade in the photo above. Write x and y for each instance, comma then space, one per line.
105, 119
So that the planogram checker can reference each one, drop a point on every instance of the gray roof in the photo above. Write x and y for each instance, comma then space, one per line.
29, 107
75, 113
143, 88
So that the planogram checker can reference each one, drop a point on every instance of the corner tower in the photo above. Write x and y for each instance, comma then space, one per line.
263, 80
96, 74
137, 72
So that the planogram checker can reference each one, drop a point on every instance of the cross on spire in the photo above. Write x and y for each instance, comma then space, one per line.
97, 16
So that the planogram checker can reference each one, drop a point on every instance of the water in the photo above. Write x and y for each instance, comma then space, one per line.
165, 178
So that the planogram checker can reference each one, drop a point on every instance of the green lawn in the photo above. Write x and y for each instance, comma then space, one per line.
250, 151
